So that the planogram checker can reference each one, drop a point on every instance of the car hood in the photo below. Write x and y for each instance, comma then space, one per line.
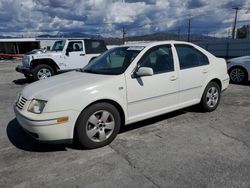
44, 55
56, 85
242, 59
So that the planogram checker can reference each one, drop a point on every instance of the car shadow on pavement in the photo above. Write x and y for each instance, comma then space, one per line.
20, 139
242, 84
150, 121
21, 81
137, 125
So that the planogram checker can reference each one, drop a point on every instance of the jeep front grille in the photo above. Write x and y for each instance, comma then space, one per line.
21, 102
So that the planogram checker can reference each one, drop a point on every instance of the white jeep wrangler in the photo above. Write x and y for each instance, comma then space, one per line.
65, 55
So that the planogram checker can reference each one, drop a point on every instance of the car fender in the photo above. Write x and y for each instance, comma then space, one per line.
211, 77
112, 90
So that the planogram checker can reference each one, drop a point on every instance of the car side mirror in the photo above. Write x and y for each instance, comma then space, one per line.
67, 52
144, 71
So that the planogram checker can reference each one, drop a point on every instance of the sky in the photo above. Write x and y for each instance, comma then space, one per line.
30, 18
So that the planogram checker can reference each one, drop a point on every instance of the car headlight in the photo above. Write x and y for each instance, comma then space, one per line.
36, 106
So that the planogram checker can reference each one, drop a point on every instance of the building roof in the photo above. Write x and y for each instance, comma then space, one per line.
38, 39
18, 40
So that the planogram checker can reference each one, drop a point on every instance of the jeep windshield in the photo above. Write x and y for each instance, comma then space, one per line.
114, 61
58, 45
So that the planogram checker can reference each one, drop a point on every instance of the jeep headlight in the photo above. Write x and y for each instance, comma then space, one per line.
36, 106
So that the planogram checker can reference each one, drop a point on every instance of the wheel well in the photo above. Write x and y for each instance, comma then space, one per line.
216, 80
118, 107
48, 62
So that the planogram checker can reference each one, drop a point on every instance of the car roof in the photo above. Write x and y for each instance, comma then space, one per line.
155, 43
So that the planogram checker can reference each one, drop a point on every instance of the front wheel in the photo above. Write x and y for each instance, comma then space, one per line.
43, 71
98, 125
211, 97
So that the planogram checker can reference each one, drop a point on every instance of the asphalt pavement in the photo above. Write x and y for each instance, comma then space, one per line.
185, 148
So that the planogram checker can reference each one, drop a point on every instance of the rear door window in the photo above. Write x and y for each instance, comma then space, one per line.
190, 57
94, 46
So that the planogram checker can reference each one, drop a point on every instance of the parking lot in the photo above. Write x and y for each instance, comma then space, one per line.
185, 148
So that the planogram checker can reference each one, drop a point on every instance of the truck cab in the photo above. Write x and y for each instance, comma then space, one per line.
65, 55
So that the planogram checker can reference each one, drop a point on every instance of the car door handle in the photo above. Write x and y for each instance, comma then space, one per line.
82, 54
204, 71
173, 78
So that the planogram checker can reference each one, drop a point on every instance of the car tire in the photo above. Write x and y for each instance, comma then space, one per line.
211, 97
42, 71
98, 125
238, 75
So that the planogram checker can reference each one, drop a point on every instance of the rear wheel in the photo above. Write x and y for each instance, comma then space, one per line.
98, 125
43, 71
211, 97
238, 75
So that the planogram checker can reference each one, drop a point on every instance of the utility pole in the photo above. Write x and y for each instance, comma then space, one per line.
123, 35
123, 30
189, 28
179, 33
235, 21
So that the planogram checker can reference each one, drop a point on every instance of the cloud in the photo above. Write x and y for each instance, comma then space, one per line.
195, 4
108, 17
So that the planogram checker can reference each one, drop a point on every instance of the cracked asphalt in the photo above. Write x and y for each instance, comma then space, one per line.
185, 148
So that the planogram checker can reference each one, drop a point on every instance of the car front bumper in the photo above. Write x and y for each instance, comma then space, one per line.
22, 69
47, 129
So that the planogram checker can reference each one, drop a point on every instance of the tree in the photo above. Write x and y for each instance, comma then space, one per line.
243, 32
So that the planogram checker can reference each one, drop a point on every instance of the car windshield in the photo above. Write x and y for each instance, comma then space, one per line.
58, 45
114, 61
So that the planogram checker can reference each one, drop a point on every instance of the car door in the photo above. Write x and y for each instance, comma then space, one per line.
153, 95
194, 69
75, 55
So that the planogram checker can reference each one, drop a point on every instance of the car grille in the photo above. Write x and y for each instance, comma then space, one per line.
21, 102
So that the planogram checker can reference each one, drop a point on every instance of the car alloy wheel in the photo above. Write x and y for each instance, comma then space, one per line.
212, 97
97, 125
100, 126
237, 75
43, 73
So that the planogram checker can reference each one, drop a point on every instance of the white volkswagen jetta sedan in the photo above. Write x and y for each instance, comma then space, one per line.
124, 85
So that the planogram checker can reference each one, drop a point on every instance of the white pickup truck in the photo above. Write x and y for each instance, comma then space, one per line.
65, 55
